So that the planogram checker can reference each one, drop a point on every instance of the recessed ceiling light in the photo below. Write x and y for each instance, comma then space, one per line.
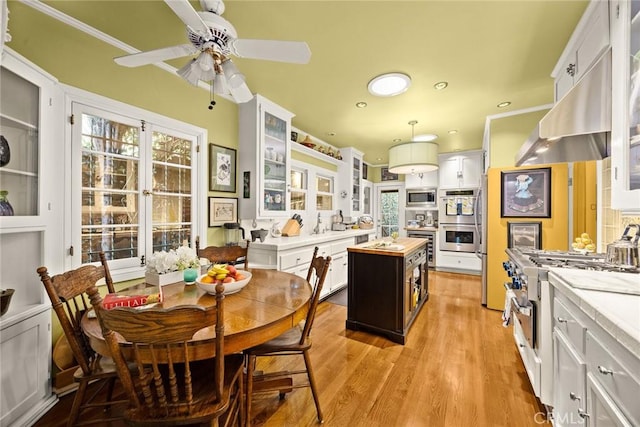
440, 85
390, 84
453, 131
379, 158
397, 140
504, 104
331, 133
426, 137
361, 104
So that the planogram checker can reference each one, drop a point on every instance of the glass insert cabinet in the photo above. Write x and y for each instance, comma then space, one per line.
265, 145
31, 182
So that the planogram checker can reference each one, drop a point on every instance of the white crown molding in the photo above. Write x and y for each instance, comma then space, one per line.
81, 26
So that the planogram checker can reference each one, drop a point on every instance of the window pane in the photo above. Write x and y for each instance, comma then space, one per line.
298, 181
323, 184
298, 200
324, 202
110, 189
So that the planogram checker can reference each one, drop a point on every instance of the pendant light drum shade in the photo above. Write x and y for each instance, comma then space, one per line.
413, 157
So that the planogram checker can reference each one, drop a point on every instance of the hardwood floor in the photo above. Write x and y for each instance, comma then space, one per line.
459, 367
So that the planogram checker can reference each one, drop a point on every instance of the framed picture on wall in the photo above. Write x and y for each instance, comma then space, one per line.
222, 169
386, 175
524, 235
365, 170
221, 210
526, 193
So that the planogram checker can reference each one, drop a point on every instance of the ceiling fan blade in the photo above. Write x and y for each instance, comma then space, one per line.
272, 50
241, 94
157, 55
188, 15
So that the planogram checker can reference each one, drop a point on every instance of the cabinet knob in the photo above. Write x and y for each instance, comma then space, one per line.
574, 396
583, 414
561, 320
604, 371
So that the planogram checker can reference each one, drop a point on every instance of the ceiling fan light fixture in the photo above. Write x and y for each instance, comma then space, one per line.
390, 84
190, 73
234, 77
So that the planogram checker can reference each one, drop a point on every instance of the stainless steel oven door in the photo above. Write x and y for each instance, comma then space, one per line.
458, 237
457, 207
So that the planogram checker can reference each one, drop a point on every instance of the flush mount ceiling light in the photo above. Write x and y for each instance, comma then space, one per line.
453, 131
361, 104
413, 157
390, 84
440, 85
504, 104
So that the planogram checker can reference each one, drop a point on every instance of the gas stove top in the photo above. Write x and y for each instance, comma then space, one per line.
588, 261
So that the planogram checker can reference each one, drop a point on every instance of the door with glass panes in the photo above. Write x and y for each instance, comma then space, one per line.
133, 188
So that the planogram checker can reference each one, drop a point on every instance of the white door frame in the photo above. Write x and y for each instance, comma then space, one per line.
385, 186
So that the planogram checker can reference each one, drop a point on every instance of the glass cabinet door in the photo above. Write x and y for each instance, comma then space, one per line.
357, 171
19, 154
634, 97
274, 196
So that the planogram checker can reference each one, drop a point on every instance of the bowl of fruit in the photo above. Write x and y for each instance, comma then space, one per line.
232, 279
583, 244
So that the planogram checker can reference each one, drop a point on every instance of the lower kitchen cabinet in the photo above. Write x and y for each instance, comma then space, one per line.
458, 262
597, 376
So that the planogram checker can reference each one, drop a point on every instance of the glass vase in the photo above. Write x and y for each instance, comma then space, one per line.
5, 207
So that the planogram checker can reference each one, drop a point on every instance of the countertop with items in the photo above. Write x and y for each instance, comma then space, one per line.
611, 299
400, 247
284, 243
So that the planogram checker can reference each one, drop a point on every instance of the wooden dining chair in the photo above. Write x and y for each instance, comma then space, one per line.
295, 341
225, 254
69, 293
171, 387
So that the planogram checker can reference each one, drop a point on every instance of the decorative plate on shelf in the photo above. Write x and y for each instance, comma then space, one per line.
308, 144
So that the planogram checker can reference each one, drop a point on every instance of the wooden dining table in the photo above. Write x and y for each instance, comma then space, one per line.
270, 304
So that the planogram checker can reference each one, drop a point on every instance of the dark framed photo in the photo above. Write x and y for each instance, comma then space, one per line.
526, 193
246, 184
386, 175
222, 169
365, 170
524, 235
221, 210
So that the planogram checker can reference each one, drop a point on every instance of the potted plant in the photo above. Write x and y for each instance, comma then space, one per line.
165, 267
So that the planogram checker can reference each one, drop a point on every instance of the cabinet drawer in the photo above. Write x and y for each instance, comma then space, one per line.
615, 378
566, 322
300, 256
340, 246
531, 362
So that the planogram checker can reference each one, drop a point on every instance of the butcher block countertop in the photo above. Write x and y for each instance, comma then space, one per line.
402, 247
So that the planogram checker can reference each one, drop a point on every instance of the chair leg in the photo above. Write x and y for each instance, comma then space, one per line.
312, 383
251, 364
241, 402
110, 386
77, 403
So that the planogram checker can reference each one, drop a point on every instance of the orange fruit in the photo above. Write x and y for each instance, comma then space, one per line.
207, 279
239, 276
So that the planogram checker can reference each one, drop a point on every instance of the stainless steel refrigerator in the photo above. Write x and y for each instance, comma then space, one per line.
480, 221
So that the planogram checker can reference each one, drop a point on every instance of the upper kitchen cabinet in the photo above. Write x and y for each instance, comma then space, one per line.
625, 121
421, 180
31, 179
589, 40
350, 182
460, 170
265, 148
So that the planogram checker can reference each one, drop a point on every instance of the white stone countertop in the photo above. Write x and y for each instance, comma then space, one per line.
617, 313
284, 243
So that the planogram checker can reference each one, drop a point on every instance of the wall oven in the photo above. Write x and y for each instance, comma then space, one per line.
458, 237
457, 206
421, 198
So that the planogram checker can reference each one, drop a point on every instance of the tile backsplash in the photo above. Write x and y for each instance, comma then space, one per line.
613, 223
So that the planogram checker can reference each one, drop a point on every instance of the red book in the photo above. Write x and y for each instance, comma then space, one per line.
114, 300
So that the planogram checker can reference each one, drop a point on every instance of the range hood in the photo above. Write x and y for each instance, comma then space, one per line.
578, 127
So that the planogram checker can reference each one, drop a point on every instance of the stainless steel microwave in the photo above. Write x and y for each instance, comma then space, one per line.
422, 197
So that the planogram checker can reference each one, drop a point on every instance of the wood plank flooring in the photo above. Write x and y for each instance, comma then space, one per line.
459, 367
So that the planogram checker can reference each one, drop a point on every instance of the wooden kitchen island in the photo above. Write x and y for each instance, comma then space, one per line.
387, 286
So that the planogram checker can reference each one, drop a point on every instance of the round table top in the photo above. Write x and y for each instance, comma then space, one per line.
270, 304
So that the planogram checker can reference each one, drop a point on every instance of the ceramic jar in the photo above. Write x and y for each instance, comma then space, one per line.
5, 207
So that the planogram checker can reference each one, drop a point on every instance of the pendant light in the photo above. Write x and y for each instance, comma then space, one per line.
413, 157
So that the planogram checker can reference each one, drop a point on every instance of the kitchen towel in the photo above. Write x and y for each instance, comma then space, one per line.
506, 314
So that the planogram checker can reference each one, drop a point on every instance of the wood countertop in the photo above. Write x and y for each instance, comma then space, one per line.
402, 247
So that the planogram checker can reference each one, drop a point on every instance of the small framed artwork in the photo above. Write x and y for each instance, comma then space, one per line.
524, 235
221, 210
387, 176
222, 169
246, 184
526, 193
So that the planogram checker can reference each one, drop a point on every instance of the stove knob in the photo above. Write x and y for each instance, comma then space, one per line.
506, 265
517, 283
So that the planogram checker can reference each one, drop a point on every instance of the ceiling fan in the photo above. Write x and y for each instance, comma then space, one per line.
214, 39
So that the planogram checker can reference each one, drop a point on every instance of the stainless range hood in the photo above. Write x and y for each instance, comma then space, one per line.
578, 127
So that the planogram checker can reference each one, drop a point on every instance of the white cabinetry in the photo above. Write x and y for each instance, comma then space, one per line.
625, 108
597, 379
589, 40
31, 121
460, 170
350, 182
422, 180
460, 262
265, 146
